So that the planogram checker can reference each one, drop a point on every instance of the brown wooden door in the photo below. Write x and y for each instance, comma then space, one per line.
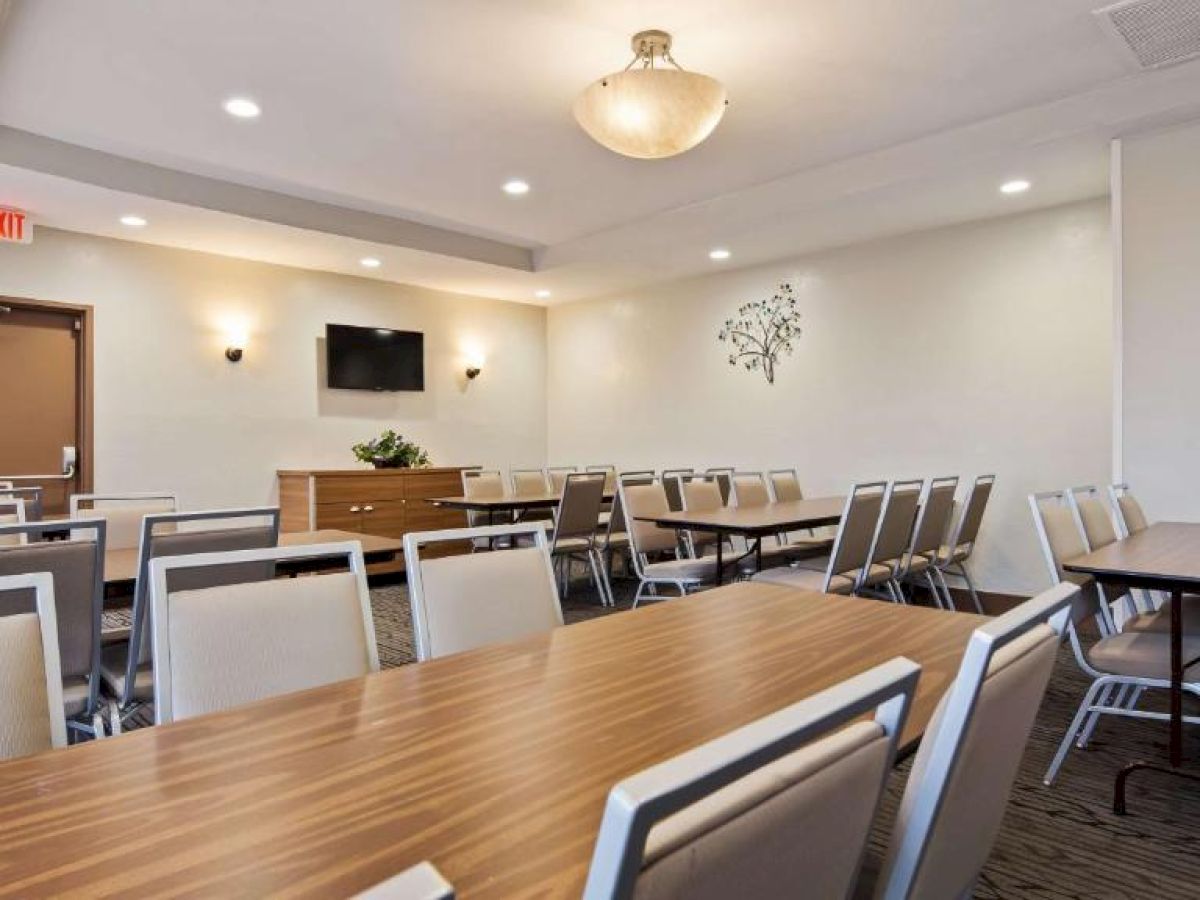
42, 399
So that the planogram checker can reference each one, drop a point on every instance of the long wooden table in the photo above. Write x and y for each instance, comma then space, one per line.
493, 764
1164, 557
755, 522
120, 565
505, 503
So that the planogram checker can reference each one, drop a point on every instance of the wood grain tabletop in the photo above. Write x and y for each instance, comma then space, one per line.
1164, 552
768, 519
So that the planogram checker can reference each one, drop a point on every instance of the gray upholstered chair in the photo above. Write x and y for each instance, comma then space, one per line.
781, 807
125, 668
421, 882
123, 512
648, 543
31, 496
960, 544
933, 521
77, 570
844, 571
31, 704
893, 538
231, 643
575, 525
958, 788
1130, 517
468, 601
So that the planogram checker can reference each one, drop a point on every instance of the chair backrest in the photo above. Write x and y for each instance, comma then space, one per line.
528, 482
32, 497
960, 781
467, 601
646, 500
701, 495
31, 702
481, 484
785, 485
420, 882
894, 534
749, 490
161, 536
1061, 537
1130, 517
610, 476
123, 512
557, 477
637, 474
967, 530
617, 524
223, 646
673, 481
723, 476
934, 518
579, 509
784, 802
12, 512
1092, 512
77, 571
856, 531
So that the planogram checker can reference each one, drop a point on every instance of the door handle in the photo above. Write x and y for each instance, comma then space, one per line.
368, 509
355, 509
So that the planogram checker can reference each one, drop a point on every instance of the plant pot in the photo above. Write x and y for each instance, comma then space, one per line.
389, 464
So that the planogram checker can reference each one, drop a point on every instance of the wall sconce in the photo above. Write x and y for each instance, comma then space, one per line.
236, 346
473, 372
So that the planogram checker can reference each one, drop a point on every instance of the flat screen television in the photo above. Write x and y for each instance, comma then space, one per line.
374, 359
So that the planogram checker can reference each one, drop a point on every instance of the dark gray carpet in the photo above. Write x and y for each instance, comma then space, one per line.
1059, 842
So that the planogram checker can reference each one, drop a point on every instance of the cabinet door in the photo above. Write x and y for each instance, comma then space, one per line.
343, 516
385, 518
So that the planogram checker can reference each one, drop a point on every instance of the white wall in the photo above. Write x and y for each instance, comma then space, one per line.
172, 413
1160, 178
979, 348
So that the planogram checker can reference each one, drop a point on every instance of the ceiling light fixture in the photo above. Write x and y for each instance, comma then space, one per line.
650, 111
1016, 186
516, 187
720, 254
543, 294
242, 108
133, 221
369, 262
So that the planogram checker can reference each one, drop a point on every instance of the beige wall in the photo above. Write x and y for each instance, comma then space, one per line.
173, 414
1160, 259
978, 348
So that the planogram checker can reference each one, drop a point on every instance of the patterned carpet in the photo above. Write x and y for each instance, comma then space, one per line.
1059, 842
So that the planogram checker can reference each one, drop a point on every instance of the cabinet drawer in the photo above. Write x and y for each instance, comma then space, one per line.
356, 490
419, 485
385, 518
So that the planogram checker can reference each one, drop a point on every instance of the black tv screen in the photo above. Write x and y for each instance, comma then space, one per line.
374, 359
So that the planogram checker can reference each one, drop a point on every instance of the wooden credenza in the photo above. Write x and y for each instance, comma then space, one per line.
386, 502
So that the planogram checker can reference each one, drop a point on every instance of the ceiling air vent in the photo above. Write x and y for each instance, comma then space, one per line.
1154, 32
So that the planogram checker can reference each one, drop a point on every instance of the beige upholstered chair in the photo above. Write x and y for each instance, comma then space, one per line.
749, 491
781, 807
844, 571
1130, 517
30, 496
463, 602
31, 704
556, 476
958, 789
785, 488
648, 543
421, 882
1094, 516
482, 484
12, 512
1121, 664
673, 481
953, 555
613, 538
701, 495
6, 485
932, 523
575, 525
610, 476
77, 570
233, 643
893, 538
723, 476
125, 668
123, 512
531, 483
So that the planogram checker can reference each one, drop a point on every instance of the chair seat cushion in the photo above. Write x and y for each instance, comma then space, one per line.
572, 545
112, 673
805, 580
1159, 621
75, 696
681, 569
1142, 654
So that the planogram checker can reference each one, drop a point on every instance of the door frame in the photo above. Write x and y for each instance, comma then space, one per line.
85, 421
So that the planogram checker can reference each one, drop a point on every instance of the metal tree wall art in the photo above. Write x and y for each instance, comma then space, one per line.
762, 332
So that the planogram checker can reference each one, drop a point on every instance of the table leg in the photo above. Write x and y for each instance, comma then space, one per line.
758, 555
720, 541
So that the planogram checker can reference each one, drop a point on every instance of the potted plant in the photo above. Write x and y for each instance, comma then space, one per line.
391, 451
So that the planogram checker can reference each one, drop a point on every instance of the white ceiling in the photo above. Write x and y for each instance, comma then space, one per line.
847, 120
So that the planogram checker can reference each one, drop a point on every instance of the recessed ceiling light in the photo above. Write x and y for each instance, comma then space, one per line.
369, 262
719, 254
133, 221
542, 294
1016, 186
516, 187
242, 108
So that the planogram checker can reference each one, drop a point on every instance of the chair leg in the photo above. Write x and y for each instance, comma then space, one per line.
597, 577
637, 596
1106, 695
1068, 738
933, 589
962, 570
946, 595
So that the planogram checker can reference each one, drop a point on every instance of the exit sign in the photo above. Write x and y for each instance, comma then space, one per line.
15, 227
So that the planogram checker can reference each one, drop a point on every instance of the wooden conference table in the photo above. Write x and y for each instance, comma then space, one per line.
120, 565
756, 522
1164, 557
494, 764
508, 503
